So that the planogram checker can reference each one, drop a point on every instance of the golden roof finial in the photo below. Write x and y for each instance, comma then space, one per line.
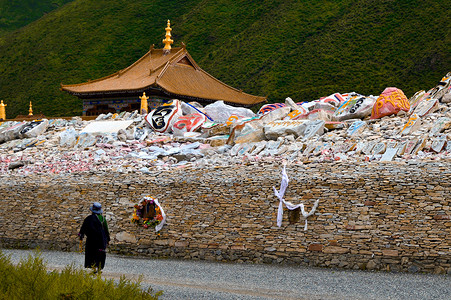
2, 111
167, 41
30, 111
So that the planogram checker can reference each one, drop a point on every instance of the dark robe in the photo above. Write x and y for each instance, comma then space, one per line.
97, 238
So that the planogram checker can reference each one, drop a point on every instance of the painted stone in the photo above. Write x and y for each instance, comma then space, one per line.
316, 114
12, 132
35, 128
356, 128
420, 146
296, 113
415, 99
411, 146
270, 107
188, 123
440, 90
163, 117
359, 147
314, 128
220, 112
412, 125
334, 99
426, 106
439, 143
390, 152
368, 148
440, 125
355, 108
391, 101
275, 129
379, 148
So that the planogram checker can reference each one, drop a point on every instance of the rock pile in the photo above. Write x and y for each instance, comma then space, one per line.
340, 127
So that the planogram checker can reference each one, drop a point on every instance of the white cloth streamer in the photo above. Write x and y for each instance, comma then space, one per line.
159, 226
279, 194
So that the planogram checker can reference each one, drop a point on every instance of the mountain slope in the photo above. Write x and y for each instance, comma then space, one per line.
302, 49
15, 14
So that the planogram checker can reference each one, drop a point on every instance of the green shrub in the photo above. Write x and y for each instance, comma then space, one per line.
30, 279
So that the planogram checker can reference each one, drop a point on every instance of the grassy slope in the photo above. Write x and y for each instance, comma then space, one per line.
277, 48
15, 14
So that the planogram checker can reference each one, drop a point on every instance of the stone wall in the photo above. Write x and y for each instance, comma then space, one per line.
383, 216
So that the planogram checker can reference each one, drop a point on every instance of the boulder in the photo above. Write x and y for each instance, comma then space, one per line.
270, 107
278, 128
163, 117
313, 128
390, 102
220, 112
34, 128
68, 138
355, 108
188, 123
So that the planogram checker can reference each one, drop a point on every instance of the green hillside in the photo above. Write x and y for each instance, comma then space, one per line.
275, 48
15, 14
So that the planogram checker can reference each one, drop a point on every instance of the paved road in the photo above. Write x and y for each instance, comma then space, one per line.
205, 280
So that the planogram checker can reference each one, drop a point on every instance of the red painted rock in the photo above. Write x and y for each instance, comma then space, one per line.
391, 101
188, 123
163, 117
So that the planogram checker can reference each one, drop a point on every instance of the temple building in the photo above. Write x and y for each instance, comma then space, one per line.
162, 74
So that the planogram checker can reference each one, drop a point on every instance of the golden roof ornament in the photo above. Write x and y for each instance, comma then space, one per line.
167, 41
2, 111
30, 111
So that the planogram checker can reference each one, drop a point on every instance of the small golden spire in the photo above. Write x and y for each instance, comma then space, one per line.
30, 111
2, 111
167, 41
144, 105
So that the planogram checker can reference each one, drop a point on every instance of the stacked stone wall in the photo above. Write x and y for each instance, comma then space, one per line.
383, 216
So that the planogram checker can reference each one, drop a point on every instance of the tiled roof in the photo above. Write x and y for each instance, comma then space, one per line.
176, 73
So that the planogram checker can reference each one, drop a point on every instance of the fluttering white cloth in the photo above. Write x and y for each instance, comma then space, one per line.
279, 194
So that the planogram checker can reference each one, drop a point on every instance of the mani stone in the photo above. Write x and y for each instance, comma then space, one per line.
426, 106
410, 146
367, 149
356, 128
390, 152
439, 143
379, 148
313, 128
440, 125
390, 102
188, 123
275, 129
412, 125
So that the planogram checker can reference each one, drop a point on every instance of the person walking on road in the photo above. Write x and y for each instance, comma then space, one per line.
97, 238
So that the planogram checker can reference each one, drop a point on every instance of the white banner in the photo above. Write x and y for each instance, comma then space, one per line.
279, 194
